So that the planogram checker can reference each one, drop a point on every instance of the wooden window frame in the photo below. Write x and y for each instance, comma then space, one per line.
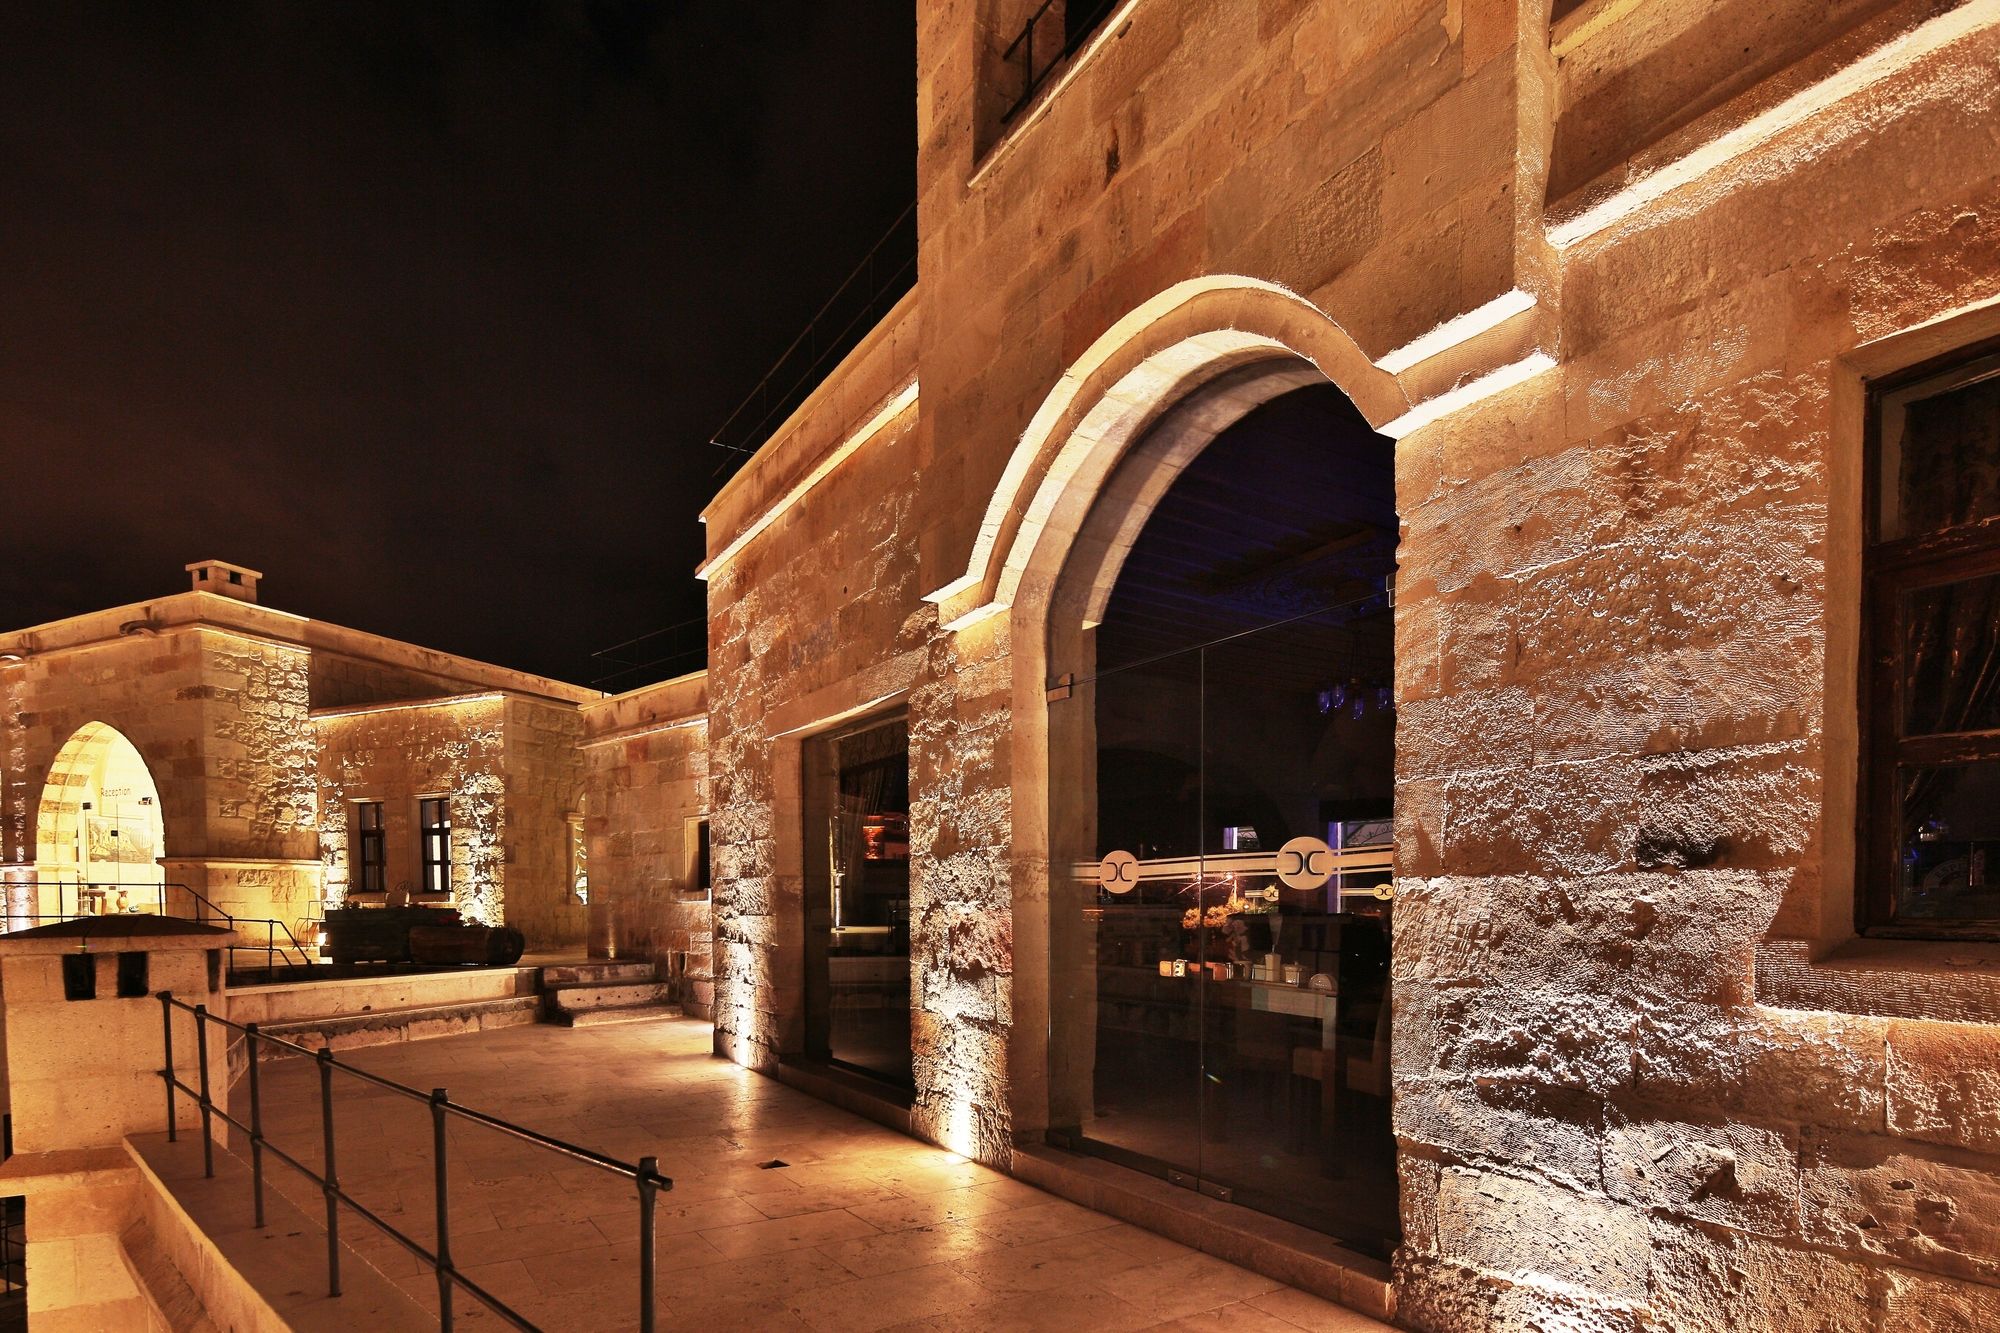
434, 844
1889, 570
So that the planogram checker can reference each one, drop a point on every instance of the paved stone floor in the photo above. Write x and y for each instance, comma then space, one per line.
863, 1228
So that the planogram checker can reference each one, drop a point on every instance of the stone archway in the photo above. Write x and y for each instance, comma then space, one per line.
1162, 382
1144, 366
99, 832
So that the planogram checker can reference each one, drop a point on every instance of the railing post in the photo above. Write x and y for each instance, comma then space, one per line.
649, 1171
167, 1074
256, 1121
332, 1181
207, 1107
444, 1268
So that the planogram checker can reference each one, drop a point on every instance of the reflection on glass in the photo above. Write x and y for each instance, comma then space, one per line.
1240, 1039
1147, 956
858, 900
1951, 657
1222, 766
1941, 451
1950, 842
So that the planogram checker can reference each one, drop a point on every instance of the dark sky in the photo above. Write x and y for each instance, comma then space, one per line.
426, 310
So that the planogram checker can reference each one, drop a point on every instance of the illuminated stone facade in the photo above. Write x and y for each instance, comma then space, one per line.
259, 730
646, 759
1616, 286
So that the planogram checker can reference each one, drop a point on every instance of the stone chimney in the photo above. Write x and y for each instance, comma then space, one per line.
224, 579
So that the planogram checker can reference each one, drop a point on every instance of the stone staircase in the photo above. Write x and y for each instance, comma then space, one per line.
585, 994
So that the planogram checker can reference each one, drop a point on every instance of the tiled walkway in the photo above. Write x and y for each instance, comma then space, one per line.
862, 1229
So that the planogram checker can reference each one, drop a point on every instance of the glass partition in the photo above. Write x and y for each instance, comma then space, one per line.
857, 886
1222, 732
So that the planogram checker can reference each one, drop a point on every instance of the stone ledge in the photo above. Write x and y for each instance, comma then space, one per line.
850, 1092
1946, 981
1275, 1248
248, 1278
412, 1023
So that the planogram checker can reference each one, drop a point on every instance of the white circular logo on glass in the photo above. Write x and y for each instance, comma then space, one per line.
1118, 872
1305, 863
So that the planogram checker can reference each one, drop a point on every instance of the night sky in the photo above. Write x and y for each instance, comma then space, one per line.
427, 311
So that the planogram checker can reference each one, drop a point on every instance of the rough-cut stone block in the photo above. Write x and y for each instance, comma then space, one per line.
1733, 1174
1920, 1303
1552, 1132
1943, 1084
1502, 1225
1931, 1208
1714, 1280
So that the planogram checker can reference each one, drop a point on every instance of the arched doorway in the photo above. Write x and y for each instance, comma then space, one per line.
98, 830
1220, 643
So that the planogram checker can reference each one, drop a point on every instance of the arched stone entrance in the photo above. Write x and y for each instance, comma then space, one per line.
1108, 445
99, 834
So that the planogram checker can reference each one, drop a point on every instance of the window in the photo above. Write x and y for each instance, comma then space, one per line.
579, 859
434, 822
1931, 688
79, 973
1053, 31
132, 974
704, 873
370, 850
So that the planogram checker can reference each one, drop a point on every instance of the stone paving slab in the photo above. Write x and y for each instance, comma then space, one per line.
863, 1228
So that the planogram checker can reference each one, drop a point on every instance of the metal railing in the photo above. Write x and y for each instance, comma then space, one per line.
1056, 46
645, 1176
876, 283
78, 899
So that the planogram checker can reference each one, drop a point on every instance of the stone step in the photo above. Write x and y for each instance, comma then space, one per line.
590, 1018
413, 1023
595, 973
612, 995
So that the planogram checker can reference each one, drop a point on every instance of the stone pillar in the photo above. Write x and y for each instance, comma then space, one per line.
82, 1027
82, 1035
17, 895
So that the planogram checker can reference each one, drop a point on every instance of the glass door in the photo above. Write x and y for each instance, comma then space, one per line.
1220, 949
1131, 949
1295, 1056
857, 892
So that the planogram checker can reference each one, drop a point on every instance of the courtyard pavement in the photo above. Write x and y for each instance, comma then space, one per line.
861, 1229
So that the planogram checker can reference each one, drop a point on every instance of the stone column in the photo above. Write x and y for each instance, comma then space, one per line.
82, 1026
83, 1039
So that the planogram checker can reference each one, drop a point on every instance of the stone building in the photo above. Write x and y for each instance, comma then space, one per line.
645, 760
1388, 666
217, 751
1451, 438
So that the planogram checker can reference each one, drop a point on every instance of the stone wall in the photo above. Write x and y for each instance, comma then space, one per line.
1642, 1077
815, 620
220, 720
544, 788
149, 689
646, 758
514, 775
1625, 766
257, 755
397, 755
228, 704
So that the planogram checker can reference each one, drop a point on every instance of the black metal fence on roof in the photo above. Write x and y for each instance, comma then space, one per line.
645, 1176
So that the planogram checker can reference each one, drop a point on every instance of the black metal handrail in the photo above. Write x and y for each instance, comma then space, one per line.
646, 1175
270, 948
1072, 36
